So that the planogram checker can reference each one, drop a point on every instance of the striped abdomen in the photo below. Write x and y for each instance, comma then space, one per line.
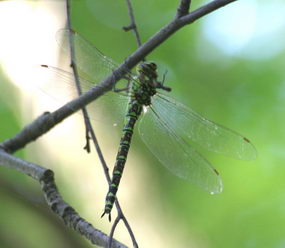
134, 112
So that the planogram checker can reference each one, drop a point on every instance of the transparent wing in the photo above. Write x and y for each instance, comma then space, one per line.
177, 155
92, 64
60, 85
204, 132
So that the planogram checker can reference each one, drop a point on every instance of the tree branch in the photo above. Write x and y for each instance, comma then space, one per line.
54, 200
49, 120
206, 9
35, 202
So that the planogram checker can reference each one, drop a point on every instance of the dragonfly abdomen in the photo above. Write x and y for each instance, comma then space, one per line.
134, 112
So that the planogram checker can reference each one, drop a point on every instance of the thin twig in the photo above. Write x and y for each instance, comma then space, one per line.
76, 75
133, 25
54, 200
116, 222
135, 244
183, 8
88, 125
46, 122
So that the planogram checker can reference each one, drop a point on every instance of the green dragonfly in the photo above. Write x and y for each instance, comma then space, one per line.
166, 126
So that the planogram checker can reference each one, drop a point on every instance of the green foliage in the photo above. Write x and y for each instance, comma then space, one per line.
243, 94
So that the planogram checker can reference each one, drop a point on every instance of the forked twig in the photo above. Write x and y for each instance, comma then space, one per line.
183, 8
116, 222
133, 25
106, 172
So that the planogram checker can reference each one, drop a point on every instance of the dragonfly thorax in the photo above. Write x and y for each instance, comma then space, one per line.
147, 83
142, 93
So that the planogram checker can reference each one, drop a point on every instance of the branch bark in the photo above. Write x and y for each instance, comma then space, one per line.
54, 200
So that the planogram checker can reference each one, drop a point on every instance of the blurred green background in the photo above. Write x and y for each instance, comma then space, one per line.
228, 66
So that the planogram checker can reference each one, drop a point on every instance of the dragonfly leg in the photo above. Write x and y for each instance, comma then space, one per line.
120, 90
160, 85
127, 88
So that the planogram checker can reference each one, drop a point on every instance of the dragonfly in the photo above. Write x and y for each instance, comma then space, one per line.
167, 127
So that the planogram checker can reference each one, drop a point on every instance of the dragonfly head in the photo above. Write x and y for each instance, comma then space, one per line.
148, 69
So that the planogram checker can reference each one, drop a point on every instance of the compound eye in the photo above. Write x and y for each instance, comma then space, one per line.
153, 65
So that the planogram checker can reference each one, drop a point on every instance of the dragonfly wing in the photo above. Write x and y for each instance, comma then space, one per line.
177, 155
60, 85
204, 132
92, 64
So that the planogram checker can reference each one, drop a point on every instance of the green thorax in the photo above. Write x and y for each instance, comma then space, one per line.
145, 87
